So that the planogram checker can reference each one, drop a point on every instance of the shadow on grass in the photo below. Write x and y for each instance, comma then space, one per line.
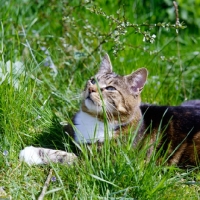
55, 137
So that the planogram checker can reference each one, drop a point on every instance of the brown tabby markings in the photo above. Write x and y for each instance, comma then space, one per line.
180, 128
179, 125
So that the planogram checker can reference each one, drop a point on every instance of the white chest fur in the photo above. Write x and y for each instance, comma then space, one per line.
89, 129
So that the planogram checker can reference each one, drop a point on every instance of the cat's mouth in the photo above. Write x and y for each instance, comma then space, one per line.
89, 98
92, 100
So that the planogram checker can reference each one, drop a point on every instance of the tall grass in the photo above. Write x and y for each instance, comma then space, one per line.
48, 51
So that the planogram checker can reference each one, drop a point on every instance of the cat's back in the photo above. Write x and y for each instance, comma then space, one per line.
183, 119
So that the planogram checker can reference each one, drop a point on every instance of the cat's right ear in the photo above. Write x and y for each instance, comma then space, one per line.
137, 80
105, 66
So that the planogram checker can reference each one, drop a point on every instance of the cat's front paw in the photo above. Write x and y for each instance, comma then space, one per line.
31, 156
36, 156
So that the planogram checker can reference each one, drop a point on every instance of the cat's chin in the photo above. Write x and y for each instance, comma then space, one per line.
92, 107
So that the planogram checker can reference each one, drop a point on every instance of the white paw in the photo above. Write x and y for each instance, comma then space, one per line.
30, 155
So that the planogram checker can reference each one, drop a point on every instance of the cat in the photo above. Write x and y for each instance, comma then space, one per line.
193, 103
118, 97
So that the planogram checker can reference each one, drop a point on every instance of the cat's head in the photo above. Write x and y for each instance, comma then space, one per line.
118, 95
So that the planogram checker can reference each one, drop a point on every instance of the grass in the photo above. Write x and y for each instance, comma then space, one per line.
48, 51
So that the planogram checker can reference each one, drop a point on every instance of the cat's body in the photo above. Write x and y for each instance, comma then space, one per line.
180, 130
117, 98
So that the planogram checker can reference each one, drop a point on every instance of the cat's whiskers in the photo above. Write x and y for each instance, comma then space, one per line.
109, 116
113, 107
109, 111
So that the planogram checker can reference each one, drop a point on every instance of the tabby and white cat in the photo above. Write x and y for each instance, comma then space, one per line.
119, 97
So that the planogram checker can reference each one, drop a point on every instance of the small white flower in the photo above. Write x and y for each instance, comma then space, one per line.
162, 57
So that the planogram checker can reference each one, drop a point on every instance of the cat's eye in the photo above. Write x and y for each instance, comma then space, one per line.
93, 81
110, 88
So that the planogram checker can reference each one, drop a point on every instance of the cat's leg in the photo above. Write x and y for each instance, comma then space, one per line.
36, 156
176, 156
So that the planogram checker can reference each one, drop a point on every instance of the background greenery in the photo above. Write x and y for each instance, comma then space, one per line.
48, 49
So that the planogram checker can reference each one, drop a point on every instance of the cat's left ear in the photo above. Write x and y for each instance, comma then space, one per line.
137, 80
105, 66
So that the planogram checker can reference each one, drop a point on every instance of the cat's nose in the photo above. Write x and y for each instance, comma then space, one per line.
92, 89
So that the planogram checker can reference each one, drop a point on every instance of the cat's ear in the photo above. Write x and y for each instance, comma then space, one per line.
105, 66
137, 80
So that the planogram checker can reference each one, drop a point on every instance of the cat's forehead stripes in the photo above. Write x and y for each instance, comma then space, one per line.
108, 79
106, 76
